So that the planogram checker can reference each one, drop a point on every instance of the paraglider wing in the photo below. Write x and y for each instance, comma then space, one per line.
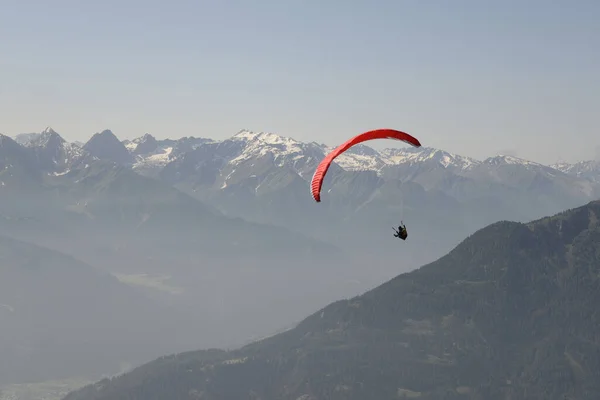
317, 180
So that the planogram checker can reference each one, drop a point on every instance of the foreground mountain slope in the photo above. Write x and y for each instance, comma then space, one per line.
510, 313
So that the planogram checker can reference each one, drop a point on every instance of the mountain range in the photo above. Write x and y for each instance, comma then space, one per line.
510, 313
264, 178
226, 233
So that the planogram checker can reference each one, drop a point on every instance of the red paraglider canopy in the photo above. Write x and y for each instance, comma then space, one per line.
317, 180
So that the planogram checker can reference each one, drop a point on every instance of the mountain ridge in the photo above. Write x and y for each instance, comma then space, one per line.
263, 177
286, 144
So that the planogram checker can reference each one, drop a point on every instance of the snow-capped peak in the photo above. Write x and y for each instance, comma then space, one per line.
48, 130
245, 134
429, 154
48, 137
373, 160
147, 137
24, 139
37, 139
266, 138
583, 169
262, 143
363, 150
143, 145
579, 166
510, 160
54, 154
130, 145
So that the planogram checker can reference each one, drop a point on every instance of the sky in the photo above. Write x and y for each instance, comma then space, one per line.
472, 77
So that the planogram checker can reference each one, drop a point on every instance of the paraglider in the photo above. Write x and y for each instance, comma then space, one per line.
401, 233
321, 171
319, 175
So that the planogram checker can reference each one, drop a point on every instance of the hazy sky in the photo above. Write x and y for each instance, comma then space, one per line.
473, 77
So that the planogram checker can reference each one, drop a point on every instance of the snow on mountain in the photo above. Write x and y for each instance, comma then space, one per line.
589, 170
241, 147
288, 151
142, 145
359, 158
575, 178
264, 174
262, 143
407, 163
498, 167
422, 155
258, 159
147, 152
248, 150
158, 158
151, 155
284, 151
130, 145
25, 138
511, 160
431, 168
54, 154
242, 152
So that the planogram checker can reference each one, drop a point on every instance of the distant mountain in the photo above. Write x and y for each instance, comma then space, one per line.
263, 177
509, 313
54, 154
105, 145
32, 156
61, 317
151, 155
585, 169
